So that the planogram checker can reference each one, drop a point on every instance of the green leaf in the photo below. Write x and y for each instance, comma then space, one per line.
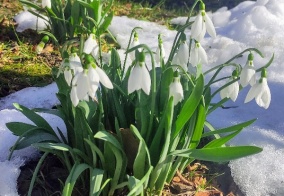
218, 154
30, 4
106, 22
190, 105
35, 118
221, 141
141, 182
198, 130
53, 146
106, 136
96, 181
229, 129
19, 128
76, 171
35, 138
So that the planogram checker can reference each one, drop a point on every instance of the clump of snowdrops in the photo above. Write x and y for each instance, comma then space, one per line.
134, 126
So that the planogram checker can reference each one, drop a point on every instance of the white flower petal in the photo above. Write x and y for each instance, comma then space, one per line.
146, 80
235, 91
90, 44
253, 92
46, 3
196, 27
68, 76
264, 97
134, 80
104, 79
202, 55
247, 76
176, 91
194, 60
73, 96
209, 26
82, 85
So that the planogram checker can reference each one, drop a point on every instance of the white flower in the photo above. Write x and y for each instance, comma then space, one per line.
68, 75
201, 24
182, 56
230, 91
46, 3
139, 79
247, 75
75, 63
197, 55
260, 92
96, 75
176, 90
91, 46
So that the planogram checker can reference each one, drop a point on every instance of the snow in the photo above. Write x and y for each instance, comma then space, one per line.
250, 24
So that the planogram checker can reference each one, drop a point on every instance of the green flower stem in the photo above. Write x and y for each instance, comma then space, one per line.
233, 58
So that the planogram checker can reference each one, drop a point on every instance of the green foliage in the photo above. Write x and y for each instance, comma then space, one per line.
116, 139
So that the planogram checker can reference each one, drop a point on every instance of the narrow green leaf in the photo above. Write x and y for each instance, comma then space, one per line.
76, 171
19, 128
221, 141
218, 154
53, 146
96, 181
230, 129
35, 138
198, 130
35, 118
190, 105
106, 136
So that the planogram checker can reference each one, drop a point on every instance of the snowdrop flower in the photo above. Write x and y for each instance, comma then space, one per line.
201, 24
66, 70
96, 75
160, 52
75, 62
176, 89
41, 44
182, 56
91, 45
247, 75
80, 87
232, 90
134, 43
197, 55
260, 92
46, 3
139, 77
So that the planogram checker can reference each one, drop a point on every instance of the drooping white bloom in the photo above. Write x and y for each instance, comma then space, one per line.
176, 90
197, 55
260, 92
139, 78
91, 45
75, 63
68, 75
182, 56
46, 3
201, 24
247, 75
231, 91
97, 75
